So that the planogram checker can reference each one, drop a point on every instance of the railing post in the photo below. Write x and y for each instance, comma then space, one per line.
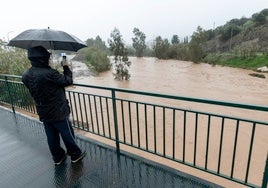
265, 174
9, 95
115, 121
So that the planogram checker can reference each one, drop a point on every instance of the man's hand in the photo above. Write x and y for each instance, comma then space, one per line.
65, 63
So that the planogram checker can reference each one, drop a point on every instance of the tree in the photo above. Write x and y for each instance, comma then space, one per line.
196, 45
175, 39
259, 18
139, 42
161, 47
199, 36
120, 59
185, 40
229, 31
238, 22
248, 26
97, 43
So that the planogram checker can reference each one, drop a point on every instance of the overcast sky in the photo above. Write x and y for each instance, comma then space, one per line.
89, 18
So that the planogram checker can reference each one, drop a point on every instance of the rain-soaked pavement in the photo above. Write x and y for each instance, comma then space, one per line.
25, 161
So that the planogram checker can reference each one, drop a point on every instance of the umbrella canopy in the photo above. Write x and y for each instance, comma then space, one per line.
48, 38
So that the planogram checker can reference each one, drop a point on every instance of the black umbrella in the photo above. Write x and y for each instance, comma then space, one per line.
48, 38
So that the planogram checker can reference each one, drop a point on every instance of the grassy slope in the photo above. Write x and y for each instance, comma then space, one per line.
246, 63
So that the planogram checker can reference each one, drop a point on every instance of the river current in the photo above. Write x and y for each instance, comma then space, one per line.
189, 79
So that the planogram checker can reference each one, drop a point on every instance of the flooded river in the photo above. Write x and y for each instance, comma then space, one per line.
189, 79
183, 78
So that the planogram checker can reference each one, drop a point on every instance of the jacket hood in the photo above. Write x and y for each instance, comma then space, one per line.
38, 55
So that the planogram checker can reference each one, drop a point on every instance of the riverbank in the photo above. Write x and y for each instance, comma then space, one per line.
230, 60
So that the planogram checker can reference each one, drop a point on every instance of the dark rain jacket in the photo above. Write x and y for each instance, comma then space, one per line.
47, 87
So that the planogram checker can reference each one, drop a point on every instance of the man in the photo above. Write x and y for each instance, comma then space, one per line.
46, 86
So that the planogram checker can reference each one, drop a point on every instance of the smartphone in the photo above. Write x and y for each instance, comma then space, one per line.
63, 60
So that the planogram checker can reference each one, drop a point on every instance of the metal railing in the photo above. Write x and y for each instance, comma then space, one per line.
222, 138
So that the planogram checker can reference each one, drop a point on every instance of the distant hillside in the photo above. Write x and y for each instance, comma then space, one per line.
257, 36
240, 32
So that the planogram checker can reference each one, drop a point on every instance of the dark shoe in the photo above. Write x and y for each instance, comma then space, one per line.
79, 157
58, 162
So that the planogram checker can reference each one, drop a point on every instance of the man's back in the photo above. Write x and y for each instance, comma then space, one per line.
46, 86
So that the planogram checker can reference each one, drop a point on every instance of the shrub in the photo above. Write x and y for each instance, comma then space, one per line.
13, 61
97, 60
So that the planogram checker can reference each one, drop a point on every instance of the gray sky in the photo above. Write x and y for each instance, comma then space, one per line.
89, 18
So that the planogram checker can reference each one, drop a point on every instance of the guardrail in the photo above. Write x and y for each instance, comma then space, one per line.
221, 138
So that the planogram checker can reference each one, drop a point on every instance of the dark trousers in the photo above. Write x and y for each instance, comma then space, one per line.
64, 129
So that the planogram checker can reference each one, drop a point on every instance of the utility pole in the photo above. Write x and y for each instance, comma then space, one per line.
8, 35
231, 39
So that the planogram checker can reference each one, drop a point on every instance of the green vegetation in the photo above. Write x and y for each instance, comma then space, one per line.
95, 58
120, 53
161, 47
239, 43
196, 45
230, 60
13, 61
139, 42
97, 43
175, 39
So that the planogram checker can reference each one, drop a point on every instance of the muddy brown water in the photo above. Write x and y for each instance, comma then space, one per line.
205, 81
189, 79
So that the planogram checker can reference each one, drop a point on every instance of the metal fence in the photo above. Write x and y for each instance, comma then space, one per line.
221, 138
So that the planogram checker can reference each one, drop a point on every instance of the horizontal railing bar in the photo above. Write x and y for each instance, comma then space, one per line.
193, 111
12, 76
198, 100
94, 95
11, 81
